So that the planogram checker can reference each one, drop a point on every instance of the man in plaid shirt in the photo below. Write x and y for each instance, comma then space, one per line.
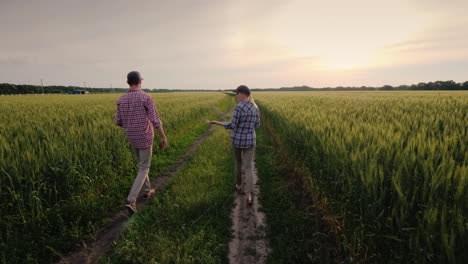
138, 116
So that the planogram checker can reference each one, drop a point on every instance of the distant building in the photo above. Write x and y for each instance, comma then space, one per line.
78, 92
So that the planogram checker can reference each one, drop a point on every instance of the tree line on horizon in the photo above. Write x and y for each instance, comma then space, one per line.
437, 85
7, 88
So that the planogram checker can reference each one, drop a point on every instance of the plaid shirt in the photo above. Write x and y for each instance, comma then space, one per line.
138, 115
243, 123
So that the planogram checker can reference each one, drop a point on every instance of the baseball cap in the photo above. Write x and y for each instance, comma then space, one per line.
134, 77
242, 89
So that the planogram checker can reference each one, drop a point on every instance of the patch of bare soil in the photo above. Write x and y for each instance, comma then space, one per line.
249, 243
98, 246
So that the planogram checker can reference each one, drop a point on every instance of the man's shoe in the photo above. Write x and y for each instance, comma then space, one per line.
149, 193
131, 207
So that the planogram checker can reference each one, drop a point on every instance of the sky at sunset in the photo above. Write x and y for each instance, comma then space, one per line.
217, 44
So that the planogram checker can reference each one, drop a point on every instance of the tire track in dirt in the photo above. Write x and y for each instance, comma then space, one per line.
98, 246
249, 243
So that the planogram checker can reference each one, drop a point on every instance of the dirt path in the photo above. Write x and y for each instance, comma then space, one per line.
249, 243
98, 246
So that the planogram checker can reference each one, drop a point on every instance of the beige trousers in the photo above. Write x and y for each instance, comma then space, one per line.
144, 161
244, 162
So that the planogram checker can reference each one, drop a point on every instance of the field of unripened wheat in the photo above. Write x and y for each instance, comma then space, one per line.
389, 168
64, 165
392, 167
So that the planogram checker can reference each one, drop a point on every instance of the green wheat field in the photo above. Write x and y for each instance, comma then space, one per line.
391, 169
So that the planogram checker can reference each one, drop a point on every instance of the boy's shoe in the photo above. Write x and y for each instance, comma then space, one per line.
149, 193
131, 207
249, 199
238, 188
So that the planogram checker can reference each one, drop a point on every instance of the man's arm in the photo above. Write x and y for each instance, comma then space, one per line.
118, 119
153, 116
152, 113
163, 136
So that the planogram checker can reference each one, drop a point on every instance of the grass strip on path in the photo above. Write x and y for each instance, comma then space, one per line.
189, 222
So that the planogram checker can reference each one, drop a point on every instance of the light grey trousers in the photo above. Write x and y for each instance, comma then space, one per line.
245, 162
143, 157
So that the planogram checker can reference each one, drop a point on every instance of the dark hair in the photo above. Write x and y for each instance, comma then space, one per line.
132, 82
133, 78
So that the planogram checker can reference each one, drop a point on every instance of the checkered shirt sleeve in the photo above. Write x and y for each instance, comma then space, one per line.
138, 116
245, 119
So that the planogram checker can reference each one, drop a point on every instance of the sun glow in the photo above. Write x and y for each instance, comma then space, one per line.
346, 61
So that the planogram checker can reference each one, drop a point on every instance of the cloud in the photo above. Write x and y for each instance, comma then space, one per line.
213, 44
431, 6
